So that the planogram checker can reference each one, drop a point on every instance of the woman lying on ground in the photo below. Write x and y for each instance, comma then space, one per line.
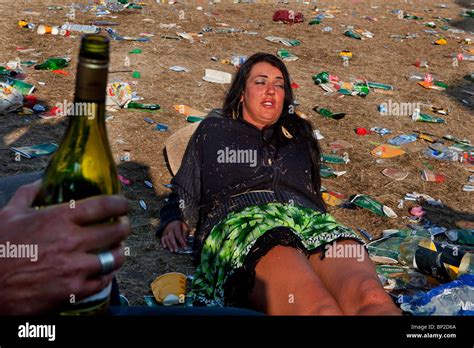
249, 181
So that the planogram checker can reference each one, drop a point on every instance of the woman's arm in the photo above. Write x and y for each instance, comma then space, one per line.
182, 208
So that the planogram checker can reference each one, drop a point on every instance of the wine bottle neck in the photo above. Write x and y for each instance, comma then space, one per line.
91, 80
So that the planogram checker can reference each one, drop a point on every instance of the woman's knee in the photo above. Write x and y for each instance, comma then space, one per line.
286, 284
374, 300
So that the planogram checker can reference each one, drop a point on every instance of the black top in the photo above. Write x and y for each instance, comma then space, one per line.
229, 165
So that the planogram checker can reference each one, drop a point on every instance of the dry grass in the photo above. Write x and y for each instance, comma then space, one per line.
381, 59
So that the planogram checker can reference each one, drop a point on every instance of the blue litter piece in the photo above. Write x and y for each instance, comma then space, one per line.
453, 298
161, 127
148, 120
39, 108
381, 131
402, 139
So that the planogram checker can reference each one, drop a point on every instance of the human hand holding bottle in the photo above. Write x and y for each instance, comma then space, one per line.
65, 263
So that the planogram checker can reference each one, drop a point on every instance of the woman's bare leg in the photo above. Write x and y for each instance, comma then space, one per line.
285, 284
353, 282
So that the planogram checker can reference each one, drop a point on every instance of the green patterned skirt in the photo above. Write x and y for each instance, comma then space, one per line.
226, 251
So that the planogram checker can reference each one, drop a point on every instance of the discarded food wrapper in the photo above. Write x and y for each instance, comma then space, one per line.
36, 150
286, 55
395, 174
333, 198
402, 139
10, 99
23, 87
284, 41
437, 85
419, 117
367, 202
429, 175
169, 288
387, 151
118, 94
217, 76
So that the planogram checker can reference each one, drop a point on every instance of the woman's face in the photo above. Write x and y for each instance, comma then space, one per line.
264, 95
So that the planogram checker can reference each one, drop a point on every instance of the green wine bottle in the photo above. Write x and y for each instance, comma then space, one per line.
83, 165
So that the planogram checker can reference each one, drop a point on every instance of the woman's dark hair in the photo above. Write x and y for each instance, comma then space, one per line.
300, 129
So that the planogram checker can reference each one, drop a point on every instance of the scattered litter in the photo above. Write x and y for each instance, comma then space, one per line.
429, 175
216, 76
284, 41
367, 202
36, 150
170, 288
143, 204
395, 174
451, 299
387, 151
286, 55
179, 68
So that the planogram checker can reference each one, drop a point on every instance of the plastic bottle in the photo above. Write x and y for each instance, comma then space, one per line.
87, 29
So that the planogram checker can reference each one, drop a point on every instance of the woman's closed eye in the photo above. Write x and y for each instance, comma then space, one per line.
263, 82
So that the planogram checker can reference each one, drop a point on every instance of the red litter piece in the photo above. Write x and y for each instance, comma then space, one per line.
362, 131
123, 180
30, 101
294, 85
60, 72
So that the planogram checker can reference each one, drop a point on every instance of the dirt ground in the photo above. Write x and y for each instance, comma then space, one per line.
381, 59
